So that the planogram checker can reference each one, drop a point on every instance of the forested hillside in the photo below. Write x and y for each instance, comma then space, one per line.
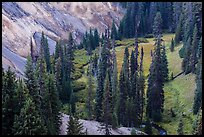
140, 76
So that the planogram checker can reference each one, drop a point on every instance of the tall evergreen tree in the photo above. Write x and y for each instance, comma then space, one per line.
107, 103
164, 65
136, 100
29, 121
96, 38
89, 104
127, 22
99, 90
31, 82
72, 103
41, 75
126, 70
157, 26
179, 33
152, 14
114, 77
8, 102
58, 77
141, 86
114, 34
199, 52
20, 96
187, 54
53, 99
120, 30
155, 93
114, 87
148, 127
132, 72
122, 97
46, 52
198, 92
195, 41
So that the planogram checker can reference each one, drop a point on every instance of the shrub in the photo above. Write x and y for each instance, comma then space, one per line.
181, 52
142, 40
149, 36
133, 132
78, 85
76, 75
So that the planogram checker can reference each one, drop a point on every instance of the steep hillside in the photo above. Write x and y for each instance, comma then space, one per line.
22, 21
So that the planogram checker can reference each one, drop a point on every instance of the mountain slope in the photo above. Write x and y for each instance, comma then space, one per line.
22, 21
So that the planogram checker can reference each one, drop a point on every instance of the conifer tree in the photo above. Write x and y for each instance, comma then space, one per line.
122, 97
153, 11
29, 121
132, 72
195, 41
107, 103
157, 26
114, 88
155, 93
127, 22
72, 103
136, 100
114, 78
179, 33
141, 85
58, 77
91, 40
180, 127
96, 38
31, 82
74, 127
172, 45
198, 92
8, 102
99, 90
141, 61
195, 123
164, 65
199, 52
133, 132
120, 30
89, 105
55, 104
114, 34
57, 48
185, 63
47, 106
41, 75
148, 127
46, 52
126, 70
20, 96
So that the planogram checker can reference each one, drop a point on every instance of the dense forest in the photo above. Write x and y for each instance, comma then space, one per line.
33, 105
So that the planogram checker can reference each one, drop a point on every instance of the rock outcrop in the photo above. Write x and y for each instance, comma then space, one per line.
22, 21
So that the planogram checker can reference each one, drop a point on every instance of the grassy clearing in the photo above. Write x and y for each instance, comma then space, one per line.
147, 47
179, 95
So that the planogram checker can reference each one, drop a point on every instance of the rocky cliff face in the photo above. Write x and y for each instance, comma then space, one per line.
23, 21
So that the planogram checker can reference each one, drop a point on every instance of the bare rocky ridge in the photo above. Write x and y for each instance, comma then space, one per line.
95, 128
22, 21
